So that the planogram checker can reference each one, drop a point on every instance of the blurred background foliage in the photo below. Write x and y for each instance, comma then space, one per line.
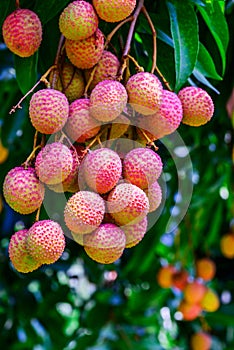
77, 303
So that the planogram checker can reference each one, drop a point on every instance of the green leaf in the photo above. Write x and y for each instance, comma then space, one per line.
4, 10
185, 37
205, 64
200, 77
46, 10
216, 22
26, 72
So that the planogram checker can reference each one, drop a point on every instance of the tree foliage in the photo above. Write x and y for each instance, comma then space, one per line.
77, 303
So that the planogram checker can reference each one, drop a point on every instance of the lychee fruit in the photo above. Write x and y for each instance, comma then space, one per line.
45, 241
19, 255
54, 163
84, 212
70, 81
127, 204
142, 167
85, 53
135, 232
201, 341
106, 69
205, 269
180, 279
118, 127
70, 184
48, 110
165, 276
114, 10
22, 190
227, 245
78, 20
189, 311
108, 100
154, 194
145, 93
194, 292
80, 125
198, 107
210, 301
106, 244
102, 169
166, 120
22, 32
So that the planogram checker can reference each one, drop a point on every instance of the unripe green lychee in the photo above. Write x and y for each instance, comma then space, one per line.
134, 233
78, 20
70, 184
201, 341
166, 120
154, 194
198, 107
145, 93
54, 163
106, 244
106, 69
22, 32
70, 81
48, 110
114, 10
142, 167
19, 255
80, 125
127, 204
102, 169
108, 100
85, 53
45, 241
22, 190
84, 212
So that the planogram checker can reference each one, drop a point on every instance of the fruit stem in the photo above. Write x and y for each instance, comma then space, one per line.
89, 81
129, 38
56, 61
154, 34
37, 218
165, 82
31, 156
42, 79
149, 142
17, 4
112, 33
138, 67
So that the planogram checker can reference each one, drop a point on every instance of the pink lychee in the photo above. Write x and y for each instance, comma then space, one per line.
135, 232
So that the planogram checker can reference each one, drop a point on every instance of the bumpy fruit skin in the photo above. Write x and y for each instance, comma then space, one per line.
54, 163
154, 194
142, 167
84, 212
85, 53
210, 301
135, 233
102, 169
227, 245
127, 204
205, 269
108, 100
80, 125
114, 10
189, 311
107, 68
70, 82
198, 107
78, 20
45, 241
106, 244
166, 120
194, 292
22, 190
201, 341
48, 110
19, 255
22, 32
165, 275
145, 93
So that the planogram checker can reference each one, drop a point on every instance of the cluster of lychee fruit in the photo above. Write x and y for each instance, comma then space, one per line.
197, 296
88, 102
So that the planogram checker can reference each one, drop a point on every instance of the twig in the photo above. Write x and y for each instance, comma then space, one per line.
163, 79
56, 61
154, 34
35, 139
37, 218
129, 38
31, 156
90, 81
139, 68
42, 79
17, 4
112, 33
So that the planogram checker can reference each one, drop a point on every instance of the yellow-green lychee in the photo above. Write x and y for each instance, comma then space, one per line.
114, 10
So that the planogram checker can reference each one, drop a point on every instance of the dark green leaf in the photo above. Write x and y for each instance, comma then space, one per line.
185, 37
26, 72
205, 64
46, 10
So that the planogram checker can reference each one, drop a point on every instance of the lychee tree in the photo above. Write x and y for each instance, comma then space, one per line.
116, 205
